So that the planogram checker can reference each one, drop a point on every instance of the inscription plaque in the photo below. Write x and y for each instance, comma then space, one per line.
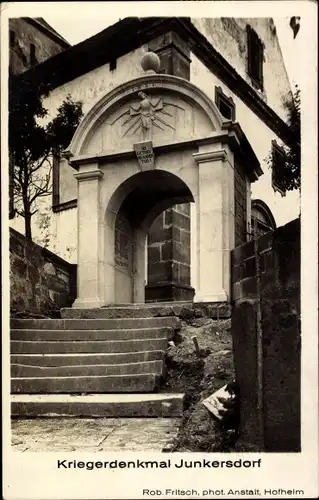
145, 155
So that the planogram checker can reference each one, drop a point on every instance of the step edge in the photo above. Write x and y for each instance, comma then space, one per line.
126, 375
92, 366
152, 329
155, 396
88, 341
84, 354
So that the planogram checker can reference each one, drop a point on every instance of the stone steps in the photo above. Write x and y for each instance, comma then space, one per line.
98, 346
89, 335
79, 359
20, 370
97, 405
74, 357
141, 382
95, 324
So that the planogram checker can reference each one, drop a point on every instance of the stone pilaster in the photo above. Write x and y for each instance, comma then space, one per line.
89, 287
174, 54
215, 223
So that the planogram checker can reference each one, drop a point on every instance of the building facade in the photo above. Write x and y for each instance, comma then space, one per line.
238, 66
32, 41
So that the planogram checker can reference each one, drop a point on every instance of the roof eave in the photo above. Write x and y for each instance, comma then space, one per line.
240, 144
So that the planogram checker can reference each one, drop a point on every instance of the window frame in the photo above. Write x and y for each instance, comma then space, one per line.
262, 227
113, 64
221, 97
57, 206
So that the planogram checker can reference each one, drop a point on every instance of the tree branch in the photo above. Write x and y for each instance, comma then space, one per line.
39, 165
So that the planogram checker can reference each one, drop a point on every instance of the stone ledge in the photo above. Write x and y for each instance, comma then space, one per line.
155, 405
179, 309
162, 292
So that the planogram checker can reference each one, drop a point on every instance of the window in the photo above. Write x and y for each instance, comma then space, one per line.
64, 185
33, 59
112, 64
255, 57
225, 104
12, 38
262, 219
278, 167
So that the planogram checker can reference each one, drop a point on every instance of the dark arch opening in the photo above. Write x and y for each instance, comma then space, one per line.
140, 204
147, 194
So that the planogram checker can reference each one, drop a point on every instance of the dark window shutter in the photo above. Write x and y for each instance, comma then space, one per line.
255, 57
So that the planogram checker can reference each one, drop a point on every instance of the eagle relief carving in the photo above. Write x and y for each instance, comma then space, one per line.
145, 116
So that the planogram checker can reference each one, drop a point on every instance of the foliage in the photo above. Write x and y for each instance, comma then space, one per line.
285, 161
44, 224
32, 145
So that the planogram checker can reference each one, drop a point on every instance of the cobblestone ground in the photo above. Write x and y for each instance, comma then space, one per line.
100, 434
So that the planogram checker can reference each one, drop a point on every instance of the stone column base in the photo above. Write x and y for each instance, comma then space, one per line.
167, 292
215, 297
87, 304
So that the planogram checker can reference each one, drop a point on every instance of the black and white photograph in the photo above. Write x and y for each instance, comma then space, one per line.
155, 242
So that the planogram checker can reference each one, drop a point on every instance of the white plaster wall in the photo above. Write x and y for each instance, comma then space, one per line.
260, 136
66, 234
39, 234
228, 36
89, 88
61, 230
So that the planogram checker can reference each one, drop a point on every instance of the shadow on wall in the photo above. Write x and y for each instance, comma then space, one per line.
276, 426
40, 281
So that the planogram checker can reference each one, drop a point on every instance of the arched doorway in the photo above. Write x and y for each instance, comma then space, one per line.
133, 207
131, 168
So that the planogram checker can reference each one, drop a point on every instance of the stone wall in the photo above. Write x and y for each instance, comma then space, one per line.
40, 281
240, 205
279, 389
169, 256
27, 33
